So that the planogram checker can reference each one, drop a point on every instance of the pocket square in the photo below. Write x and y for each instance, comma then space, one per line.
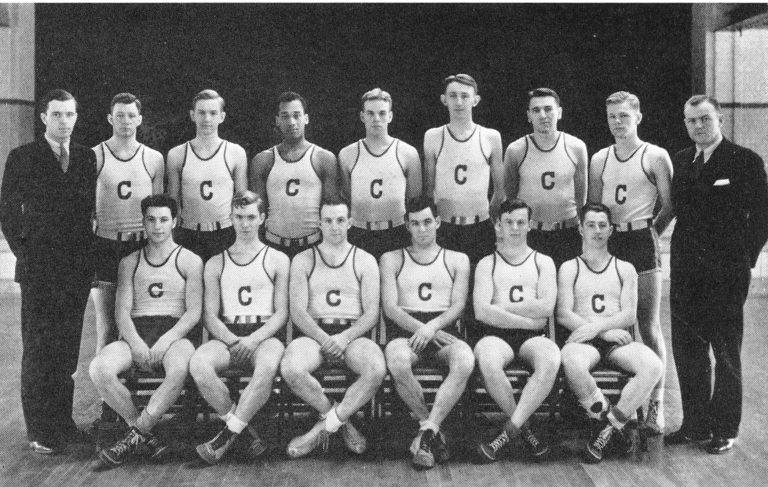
722, 182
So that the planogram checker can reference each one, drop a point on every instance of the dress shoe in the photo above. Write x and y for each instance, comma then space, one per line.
43, 449
720, 445
681, 437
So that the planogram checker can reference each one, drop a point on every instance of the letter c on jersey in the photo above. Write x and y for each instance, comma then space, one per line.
425, 296
513, 297
621, 199
547, 180
291, 191
243, 295
376, 193
336, 301
155, 289
595, 299
124, 195
462, 179
203, 194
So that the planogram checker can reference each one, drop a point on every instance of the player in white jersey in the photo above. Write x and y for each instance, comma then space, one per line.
597, 302
334, 303
293, 177
246, 305
460, 160
159, 301
630, 177
128, 171
203, 175
548, 170
515, 293
424, 291
378, 174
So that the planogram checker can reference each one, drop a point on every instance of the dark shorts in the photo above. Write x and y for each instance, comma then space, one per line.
107, 255
476, 240
290, 247
151, 328
206, 244
514, 338
245, 329
561, 245
394, 331
604, 348
638, 247
378, 242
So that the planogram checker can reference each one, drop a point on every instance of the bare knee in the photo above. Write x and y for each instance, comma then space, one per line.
573, 360
398, 358
291, 369
462, 361
100, 373
488, 362
200, 368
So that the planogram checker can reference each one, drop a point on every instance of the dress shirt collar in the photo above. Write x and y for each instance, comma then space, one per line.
708, 150
55, 146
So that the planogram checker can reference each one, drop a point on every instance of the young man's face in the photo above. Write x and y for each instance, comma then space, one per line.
59, 119
623, 120
207, 115
459, 98
595, 229
246, 220
334, 223
376, 116
124, 119
423, 226
543, 114
703, 123
513, 226
158, 224
291, 120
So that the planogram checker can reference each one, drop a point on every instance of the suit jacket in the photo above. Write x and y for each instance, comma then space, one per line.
722, 216
45, 214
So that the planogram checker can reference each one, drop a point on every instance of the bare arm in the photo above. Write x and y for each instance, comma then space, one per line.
279, 266
124, 302
432, 141
661, 169
390, 263
566, 277
512, 158
212, 302
496, 160
596, 166
543, 305
369, 297
328, 169
299, 301
239, 167
409, 156
491, 314
175, 163
347, 157
156, 168
191, 268
579, 151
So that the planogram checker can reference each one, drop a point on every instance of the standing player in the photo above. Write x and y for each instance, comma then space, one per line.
548, 170
246, 304
295, 176
379, 173
203, 174
597, 301
424, 290
460, 159
515, 293
158, 303
629, 177
334, 303
128, 172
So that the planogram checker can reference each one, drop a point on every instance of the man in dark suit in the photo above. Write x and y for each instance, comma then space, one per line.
720, 198
46, 202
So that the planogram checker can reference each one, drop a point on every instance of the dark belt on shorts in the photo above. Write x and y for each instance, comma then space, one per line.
633, 225
550, 226
377, 226
244, 320
292, 242
208, 227
465, 220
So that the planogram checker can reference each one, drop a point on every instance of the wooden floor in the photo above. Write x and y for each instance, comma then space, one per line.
387, 462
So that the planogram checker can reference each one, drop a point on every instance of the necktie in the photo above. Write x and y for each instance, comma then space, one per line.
698, 164
63, 157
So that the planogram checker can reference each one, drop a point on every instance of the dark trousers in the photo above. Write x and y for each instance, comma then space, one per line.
707, 305
51, 327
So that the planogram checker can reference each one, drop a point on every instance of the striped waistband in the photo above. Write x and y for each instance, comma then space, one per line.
292, 242
244, 320
633, 225
376, 226
335, 322
549, 226
466, 220
207, 227
121, 236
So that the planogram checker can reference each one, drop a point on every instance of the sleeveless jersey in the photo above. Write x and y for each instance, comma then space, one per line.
424, 288
120, 187
377, 186
334, 292
627, 187
546, 181
597, 293
158, 290
513, 283
462, 178
207, 187
247, 290
294, 190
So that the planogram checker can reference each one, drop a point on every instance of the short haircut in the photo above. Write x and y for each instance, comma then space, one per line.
541, 92
55, 95
464, 79
508, 206
335, 200
159, 201
623, 96
289, 96
696, 100
595, 208
244, 198
375, 94
124, 99
415, 205
208, 95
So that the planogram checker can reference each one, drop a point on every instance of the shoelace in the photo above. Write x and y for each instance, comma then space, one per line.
603, 437
125, 444
531, 439
323, 440
499, 442
426, 441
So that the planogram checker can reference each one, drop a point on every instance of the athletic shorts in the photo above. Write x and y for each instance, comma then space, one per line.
476, 240
604, 348
514, 338
205, 244
245, 329
378, 242
394, 331
638, 247
561, 245
290, 247
151, 328
107, 255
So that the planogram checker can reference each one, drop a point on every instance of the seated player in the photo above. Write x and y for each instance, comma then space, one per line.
158, 303
246, 304
514, 296
424, 291
334, 303
597, 301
